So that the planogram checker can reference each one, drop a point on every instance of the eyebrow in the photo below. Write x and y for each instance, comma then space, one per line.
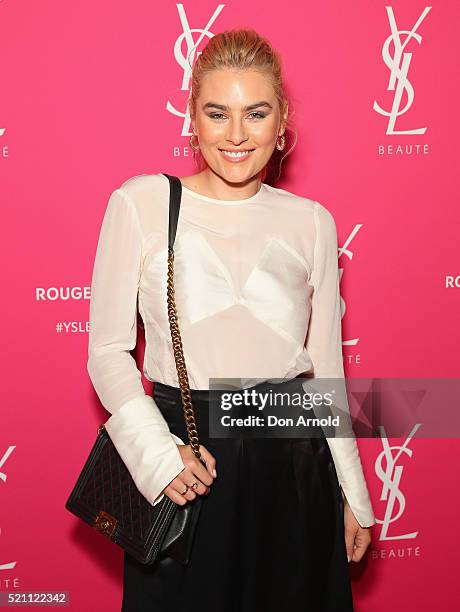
224, 107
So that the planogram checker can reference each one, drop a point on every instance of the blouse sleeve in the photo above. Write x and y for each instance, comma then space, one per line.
324, 345
136, 426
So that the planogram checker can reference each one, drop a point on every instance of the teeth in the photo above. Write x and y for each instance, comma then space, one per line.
237, 154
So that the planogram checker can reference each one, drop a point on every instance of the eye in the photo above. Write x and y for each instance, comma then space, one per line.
254, 115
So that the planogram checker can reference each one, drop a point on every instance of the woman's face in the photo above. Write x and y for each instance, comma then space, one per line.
237, 111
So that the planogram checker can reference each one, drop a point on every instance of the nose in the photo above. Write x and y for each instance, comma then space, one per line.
236, 133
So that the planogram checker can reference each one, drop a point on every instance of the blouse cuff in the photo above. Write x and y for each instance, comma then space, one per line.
144, 442
176, 439
351, 479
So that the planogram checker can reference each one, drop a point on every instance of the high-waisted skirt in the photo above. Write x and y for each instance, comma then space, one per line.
270, 533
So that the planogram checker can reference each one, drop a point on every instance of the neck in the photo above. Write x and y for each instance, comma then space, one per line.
212, 185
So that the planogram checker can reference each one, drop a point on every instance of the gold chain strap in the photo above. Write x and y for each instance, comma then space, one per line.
189, 413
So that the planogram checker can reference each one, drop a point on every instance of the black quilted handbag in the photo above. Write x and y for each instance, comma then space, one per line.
105, 495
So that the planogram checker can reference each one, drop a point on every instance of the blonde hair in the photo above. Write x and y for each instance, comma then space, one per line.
241, 49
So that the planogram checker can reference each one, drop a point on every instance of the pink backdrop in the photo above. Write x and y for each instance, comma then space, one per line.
94, 93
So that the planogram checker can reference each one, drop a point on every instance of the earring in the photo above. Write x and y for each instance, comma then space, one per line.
280, 142
195, 148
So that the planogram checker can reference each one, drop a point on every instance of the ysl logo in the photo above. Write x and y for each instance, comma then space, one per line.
399, 67
345, 251
391, 479
186, 62
11, 564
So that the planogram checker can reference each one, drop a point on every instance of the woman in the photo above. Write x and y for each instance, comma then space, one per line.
257, 296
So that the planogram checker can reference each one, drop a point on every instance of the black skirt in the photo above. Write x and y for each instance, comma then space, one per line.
270, 533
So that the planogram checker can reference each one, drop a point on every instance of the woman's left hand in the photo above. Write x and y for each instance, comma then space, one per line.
357, 538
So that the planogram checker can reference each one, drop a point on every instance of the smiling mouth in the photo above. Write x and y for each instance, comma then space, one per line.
236, 155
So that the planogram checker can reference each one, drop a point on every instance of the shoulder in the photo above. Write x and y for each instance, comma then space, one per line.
140, 201
318, 211
143, 187
147, 196
289, 198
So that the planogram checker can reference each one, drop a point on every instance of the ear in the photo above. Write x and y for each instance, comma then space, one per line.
285, 117
189, 110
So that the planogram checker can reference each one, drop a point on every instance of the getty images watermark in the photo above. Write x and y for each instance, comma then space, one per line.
278, 408
312, 407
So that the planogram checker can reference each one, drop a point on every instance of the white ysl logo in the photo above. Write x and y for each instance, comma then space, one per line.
399, 67
4, 566
391, 478
186, 62
345, 251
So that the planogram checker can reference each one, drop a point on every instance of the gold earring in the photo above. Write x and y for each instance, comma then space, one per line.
280, 142
195, 148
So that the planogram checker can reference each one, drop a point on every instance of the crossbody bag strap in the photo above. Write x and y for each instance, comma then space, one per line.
175, 196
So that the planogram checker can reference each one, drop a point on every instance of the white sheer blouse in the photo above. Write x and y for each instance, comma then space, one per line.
257, 296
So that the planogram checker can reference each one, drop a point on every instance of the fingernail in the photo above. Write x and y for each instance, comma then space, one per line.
214, 473
348, 557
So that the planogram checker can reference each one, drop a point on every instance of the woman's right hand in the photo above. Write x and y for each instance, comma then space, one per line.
194, 471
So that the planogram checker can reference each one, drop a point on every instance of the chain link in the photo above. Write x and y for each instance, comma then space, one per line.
189, 412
